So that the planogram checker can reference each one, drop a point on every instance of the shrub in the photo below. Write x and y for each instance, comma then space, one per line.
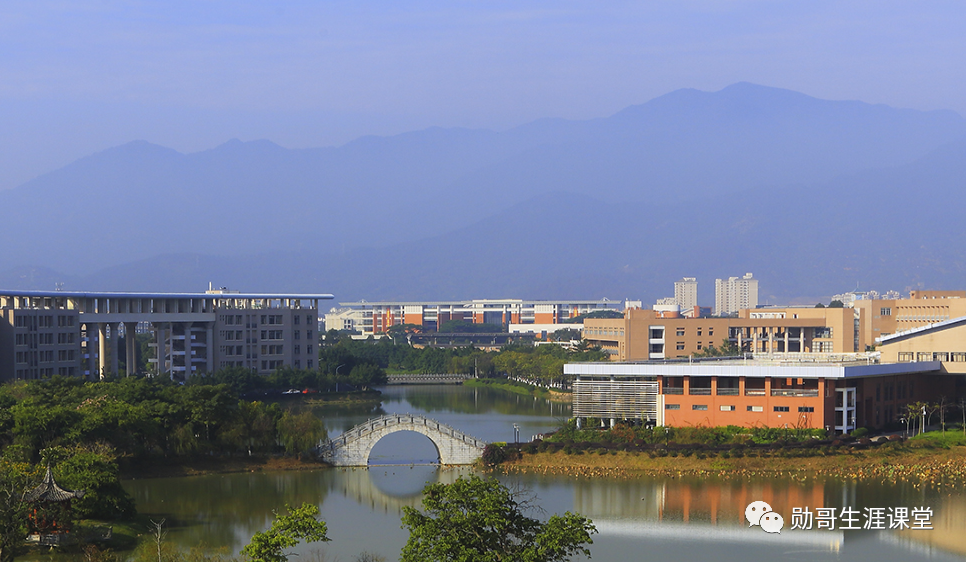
493, 454
860, 432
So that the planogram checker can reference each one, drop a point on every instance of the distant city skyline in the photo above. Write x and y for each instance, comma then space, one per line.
85, 76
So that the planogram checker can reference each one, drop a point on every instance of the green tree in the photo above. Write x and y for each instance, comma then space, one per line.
300, 524
300, 432
480, 520
726, 349
15, 479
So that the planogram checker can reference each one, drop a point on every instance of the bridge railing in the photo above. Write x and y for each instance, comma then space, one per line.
389, 420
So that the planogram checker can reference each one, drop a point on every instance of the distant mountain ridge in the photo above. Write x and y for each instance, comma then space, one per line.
692, 182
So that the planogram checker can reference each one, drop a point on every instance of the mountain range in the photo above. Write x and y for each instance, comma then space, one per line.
813, 196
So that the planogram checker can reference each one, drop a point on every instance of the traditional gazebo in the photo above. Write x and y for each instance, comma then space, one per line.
50, 511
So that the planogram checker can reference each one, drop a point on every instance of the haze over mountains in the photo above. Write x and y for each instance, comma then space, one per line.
811, 195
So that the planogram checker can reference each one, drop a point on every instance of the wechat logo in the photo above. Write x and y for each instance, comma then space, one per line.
761, 514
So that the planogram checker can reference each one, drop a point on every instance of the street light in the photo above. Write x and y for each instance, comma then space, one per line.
516, 433
337, 376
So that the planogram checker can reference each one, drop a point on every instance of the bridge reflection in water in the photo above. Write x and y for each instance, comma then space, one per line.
390, 487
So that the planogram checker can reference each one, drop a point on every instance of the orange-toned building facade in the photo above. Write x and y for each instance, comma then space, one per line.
837, 396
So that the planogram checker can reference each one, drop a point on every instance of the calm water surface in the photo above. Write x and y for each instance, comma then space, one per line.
639, 519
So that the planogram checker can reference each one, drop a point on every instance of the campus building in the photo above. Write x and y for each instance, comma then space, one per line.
664, 334
374, 318
837, 392
834, 393
79, 333
886, 316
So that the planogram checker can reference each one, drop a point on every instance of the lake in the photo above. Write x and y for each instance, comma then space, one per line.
645, 518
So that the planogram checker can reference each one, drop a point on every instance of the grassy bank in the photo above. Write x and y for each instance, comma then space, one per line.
893, 463
520, 388
165, 468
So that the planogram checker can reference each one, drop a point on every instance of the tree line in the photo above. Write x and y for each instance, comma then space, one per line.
543, 363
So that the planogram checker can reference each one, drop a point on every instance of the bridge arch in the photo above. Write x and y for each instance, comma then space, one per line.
353, 447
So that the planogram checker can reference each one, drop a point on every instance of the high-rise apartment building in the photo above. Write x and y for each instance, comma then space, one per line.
734, 294
686, 293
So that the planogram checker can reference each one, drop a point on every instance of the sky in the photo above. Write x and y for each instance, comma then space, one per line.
80, 76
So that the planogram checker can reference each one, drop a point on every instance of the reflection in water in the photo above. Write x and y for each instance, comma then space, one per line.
656, 518
686, 518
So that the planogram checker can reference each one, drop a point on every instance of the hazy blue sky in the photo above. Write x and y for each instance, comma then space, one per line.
83, 75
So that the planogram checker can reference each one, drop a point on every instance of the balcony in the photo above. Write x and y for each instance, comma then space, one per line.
754, 392
794, 392
727, 391
699, 391
673, 390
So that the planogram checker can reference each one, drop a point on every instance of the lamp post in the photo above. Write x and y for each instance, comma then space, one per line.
516, 433
337, 376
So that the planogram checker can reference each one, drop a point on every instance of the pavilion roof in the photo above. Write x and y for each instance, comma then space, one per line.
49, 491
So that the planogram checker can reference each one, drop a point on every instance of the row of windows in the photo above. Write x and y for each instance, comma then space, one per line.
730, 408
273, 350
43, 339
680, 332
44, 356
948, 356
45, 321
271, 319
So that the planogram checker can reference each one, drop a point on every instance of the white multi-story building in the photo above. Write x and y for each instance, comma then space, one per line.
686, 293
734, 294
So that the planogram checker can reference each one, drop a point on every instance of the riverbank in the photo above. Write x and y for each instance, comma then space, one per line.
169, 468
521, 388
915, 466
327, 398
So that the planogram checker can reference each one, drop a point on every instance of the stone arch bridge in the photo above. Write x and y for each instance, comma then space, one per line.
352, 448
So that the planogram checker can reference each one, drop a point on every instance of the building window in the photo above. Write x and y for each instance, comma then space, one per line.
727, 408
295, 319
680, 346
699, 332
298, 334
756, 408
308, 319
297, 364
885, 311
297, 350
680, 332
699, 345
806, 409
781, 408
710, 331
699, 407
308, 349
672, 406
308, 364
